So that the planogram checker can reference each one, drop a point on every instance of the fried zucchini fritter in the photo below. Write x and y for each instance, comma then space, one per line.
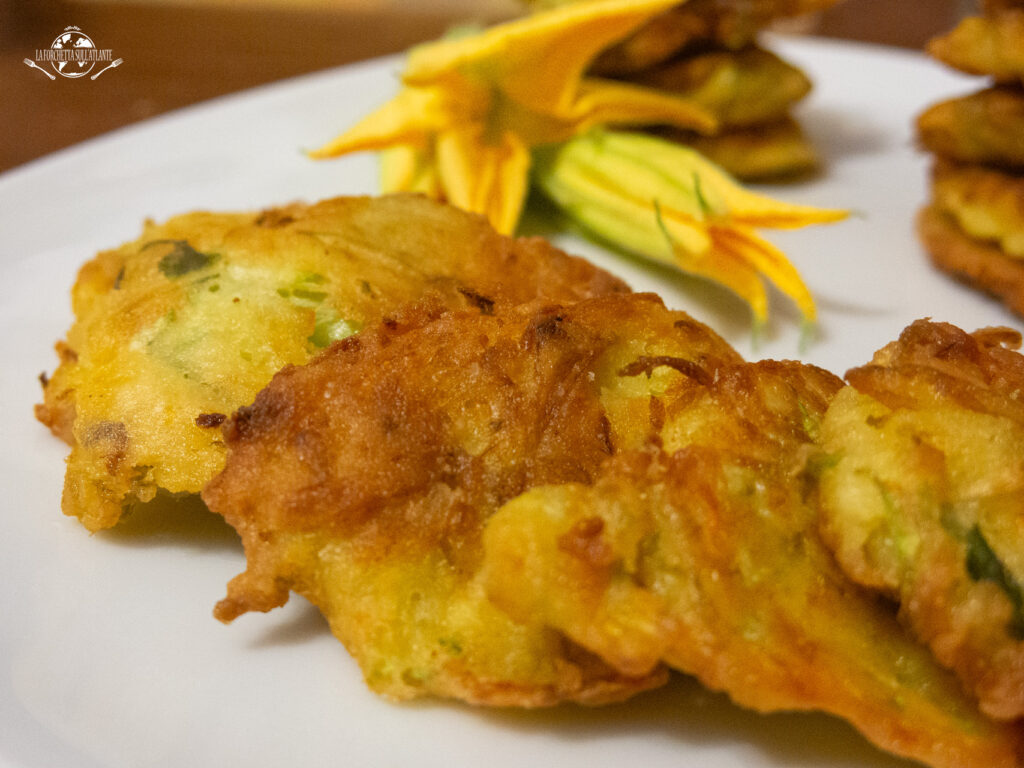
987, 204
363, 481
772, 151
552, 503
991, 45
985, 127
978, 264
179, 328
732, 24
704, 555
923, 497
740, 88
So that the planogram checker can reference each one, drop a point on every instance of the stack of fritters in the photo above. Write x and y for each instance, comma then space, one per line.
709, 52
973, 227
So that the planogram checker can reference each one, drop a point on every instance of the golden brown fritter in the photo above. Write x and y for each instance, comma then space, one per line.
772, 151
985, 127
923, 497
552, 503
704, 555
363, 482
987, 204
697, 24
991, 45
179, 328
974, 262
739, 88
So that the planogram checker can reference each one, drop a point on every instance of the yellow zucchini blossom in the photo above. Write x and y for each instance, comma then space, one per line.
471, 108
666, 202
480, 115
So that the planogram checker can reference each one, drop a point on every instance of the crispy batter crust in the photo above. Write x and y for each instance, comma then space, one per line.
978, 264
777, 150
985, 127
740, 88
704, 554
196, 316
732, 24
478, 502
363, 481
923, 497
933, 362
986, 203
991, 45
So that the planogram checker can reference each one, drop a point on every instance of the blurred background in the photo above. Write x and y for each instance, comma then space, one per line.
178, 52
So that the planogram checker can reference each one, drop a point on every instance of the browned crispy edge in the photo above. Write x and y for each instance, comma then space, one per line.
974, 262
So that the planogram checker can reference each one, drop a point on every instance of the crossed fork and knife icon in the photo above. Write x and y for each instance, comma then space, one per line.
112, 64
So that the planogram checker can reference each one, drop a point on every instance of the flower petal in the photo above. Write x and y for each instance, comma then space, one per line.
693, 174
723, 265
622, 201
409, 118
666, 203
608, 102
537, 60
767, 260
490, 178
409, 169
756, 210
631, 165
723, 193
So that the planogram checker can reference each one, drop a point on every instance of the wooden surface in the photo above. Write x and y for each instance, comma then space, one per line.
178, 54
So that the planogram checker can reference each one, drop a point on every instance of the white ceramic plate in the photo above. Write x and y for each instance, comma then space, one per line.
108, 653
